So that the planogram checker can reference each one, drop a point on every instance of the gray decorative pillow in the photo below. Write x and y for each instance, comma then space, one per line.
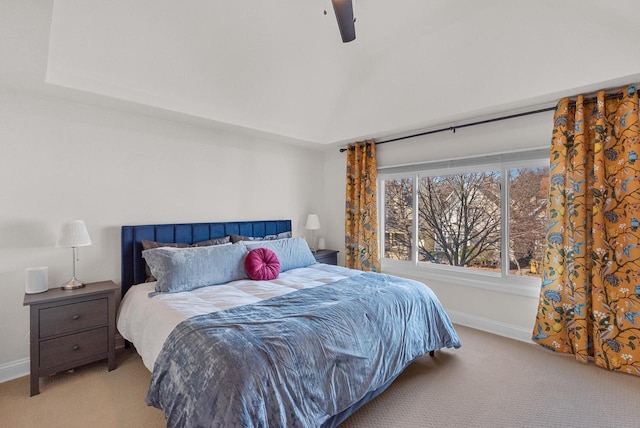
292, 252
148, 245
215, 241
185, 269
281, 235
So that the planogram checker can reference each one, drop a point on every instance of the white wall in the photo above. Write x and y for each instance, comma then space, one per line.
334, 197
62, 160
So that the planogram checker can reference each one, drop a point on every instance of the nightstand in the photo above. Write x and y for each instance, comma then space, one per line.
70, 328
329, 257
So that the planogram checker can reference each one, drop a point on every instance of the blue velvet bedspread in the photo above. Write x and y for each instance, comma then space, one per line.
298, 359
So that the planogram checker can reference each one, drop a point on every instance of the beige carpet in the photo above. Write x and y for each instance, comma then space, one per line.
489, 382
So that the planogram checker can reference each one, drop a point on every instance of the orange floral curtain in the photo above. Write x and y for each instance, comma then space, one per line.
590, 296
361, 220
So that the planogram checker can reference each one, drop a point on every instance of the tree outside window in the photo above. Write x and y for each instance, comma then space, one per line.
398, 212
460, 218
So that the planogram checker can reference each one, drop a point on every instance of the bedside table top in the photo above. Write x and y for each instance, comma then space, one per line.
55, 294
324, 252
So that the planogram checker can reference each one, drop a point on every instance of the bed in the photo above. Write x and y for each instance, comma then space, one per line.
306, 348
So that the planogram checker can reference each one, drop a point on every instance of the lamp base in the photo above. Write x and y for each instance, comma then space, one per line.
72, 284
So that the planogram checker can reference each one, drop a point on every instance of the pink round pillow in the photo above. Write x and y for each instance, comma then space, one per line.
262, 264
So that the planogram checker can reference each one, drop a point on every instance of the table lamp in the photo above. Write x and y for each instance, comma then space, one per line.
313, 224
73, 234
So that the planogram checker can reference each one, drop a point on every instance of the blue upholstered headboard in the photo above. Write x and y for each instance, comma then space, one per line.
133, 266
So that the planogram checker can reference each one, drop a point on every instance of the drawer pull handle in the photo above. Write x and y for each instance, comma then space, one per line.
75, 317
75, 347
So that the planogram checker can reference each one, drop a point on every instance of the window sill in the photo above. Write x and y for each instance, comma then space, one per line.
522, 286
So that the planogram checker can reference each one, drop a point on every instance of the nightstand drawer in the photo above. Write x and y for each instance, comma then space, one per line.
67, 349
73, 317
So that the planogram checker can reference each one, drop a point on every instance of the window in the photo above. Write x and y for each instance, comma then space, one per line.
484, 216
528, 197
398, 216
459, 219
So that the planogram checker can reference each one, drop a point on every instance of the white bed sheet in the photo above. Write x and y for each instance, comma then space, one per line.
147, 321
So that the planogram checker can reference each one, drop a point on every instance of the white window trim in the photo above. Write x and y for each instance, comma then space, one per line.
501, 282
466, 279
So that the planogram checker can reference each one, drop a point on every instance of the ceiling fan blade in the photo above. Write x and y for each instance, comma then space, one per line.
344, 15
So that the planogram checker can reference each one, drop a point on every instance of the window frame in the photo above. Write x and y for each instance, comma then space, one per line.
502, 162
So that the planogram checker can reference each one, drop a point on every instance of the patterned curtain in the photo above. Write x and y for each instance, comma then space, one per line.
361, 220
590, 296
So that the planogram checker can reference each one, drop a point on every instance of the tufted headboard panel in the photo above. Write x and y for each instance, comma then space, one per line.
133, 265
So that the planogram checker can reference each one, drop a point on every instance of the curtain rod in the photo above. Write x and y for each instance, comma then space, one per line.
482, 122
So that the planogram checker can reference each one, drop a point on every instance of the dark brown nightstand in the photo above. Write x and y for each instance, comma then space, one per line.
70, 328
329, 257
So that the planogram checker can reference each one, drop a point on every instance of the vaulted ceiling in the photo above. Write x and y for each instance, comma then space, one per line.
280, 68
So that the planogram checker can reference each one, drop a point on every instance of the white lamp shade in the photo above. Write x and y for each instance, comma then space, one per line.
313, 222
73, 234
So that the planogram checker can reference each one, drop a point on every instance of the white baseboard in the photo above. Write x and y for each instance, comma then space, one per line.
14, 370
491, 326
19, 368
